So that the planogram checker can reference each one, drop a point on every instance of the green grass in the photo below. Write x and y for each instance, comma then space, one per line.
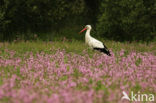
72, 46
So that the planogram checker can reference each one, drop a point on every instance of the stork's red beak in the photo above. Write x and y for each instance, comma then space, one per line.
82, 30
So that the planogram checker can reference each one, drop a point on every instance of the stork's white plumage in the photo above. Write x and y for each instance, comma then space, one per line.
94, 43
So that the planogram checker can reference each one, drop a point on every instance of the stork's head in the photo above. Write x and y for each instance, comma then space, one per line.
87, 27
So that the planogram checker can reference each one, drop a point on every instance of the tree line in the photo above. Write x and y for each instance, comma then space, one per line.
113, 19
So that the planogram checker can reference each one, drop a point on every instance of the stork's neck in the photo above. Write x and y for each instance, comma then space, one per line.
87, 36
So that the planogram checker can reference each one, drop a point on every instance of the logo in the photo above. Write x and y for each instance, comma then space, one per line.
125, 96
137, 97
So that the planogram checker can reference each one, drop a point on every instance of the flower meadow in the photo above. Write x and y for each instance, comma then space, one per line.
63, 77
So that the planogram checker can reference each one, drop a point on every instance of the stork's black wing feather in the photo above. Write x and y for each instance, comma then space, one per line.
104, 50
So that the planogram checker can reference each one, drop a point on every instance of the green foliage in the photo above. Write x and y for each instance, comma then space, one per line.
114, 19
127, 19
17, 16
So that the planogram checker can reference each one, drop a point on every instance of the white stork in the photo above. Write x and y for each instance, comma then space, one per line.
94, 43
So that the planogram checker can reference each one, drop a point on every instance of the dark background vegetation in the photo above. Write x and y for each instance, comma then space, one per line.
121, 20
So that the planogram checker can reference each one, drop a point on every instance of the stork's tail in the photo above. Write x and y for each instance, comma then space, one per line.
104, 50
